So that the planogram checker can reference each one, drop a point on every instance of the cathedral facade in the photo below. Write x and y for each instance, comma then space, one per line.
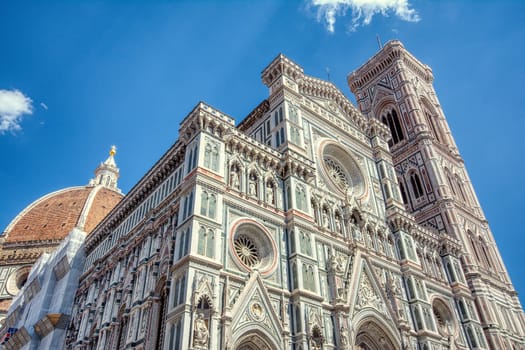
312, 224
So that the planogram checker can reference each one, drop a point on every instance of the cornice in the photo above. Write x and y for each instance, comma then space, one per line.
392, 52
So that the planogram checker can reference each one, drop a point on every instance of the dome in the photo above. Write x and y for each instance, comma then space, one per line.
53, 216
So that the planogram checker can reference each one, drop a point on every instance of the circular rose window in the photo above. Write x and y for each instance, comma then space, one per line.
246, 250
252, 246
340, 170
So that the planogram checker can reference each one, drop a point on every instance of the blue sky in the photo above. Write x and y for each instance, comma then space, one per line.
126, 73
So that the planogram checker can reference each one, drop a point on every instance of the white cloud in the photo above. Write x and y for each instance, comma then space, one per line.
13, 105
362, 11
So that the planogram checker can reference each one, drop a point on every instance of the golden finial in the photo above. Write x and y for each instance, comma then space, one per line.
113, 150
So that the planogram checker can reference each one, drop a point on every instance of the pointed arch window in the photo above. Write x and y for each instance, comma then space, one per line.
206, 244
484, 250
403, 193
433, 127
208, 204
415, 181
300, 197
207, 155
392, 121
460, 188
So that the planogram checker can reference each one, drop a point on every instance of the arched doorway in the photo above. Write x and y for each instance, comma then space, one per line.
372, 336
254, 341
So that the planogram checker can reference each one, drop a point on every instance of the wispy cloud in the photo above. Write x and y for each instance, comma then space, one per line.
362, 11
13, 105
44, 106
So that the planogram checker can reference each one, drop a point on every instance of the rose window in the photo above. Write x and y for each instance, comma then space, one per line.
339, 169
252, 246
337, 174
246, 250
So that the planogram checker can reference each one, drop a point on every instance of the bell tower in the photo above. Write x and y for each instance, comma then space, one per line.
395, 88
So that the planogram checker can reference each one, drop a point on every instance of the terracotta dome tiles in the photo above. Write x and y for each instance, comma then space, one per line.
53, 216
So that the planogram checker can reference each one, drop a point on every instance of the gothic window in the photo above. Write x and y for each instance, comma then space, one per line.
208, 204
294, 276
462, 309
450, 183
300, 197
215, 158
474, 246
471, 337
305, 243
280, 114
308, 277
484, 250
175, 335
292, 111
428, 319
392, 121
450, 271
207, 155
282, 135
460, 188
206, 243
184, 243
417, 188
204, 203
192, 158
433, 127
295, 136
418, 318
401, 248
123, 332
188, 206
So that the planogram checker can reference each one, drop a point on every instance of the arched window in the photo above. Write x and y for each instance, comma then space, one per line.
471, 337
215, 158
208, 204
403, 193
484, 250
474, 246
392, 121
206, 242
460, 188
417, 188
300, 197
207, 155
433, 127
450, 182
306, 243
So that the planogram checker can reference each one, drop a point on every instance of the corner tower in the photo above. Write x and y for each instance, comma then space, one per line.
396, 89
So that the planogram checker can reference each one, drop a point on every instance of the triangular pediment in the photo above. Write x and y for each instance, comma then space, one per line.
367, 293
380, 92
328, 104
253, 311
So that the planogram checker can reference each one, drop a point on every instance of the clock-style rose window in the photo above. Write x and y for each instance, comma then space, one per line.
337, 174
340, 170
252, 246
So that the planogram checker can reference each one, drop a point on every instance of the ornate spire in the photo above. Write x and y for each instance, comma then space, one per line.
107, 173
